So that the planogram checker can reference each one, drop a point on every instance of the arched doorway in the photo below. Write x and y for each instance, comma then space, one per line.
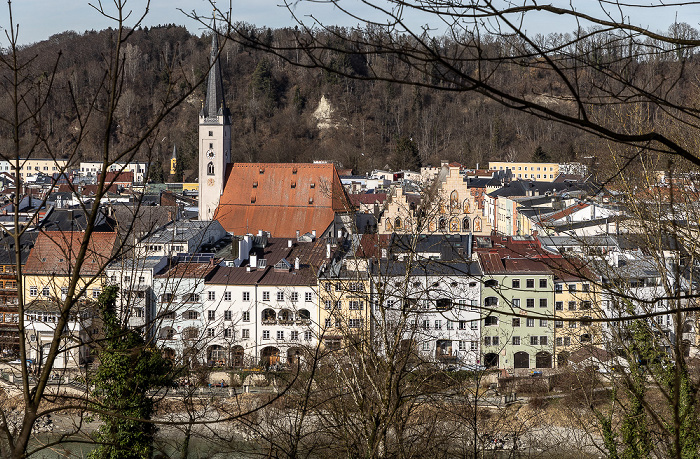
521, 360
216, 355
285, 316
543, 359
491, 360
237, 354
269, 356
269, 315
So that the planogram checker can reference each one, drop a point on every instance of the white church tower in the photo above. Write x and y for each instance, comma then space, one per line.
214, 139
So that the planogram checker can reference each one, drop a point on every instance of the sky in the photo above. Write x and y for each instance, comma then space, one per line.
39, 19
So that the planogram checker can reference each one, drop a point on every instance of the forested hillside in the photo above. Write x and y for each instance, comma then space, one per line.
277, 110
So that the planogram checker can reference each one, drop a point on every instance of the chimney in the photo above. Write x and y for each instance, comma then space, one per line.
328, 250
296, 264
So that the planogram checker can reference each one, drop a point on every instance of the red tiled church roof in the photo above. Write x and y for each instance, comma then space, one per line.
54, 252
281, 198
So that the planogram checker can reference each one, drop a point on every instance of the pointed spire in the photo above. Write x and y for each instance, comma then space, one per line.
214, 104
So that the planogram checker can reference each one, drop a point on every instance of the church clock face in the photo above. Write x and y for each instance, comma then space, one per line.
210, 154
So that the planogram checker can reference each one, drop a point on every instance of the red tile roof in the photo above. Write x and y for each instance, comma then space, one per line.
367, 198
121, 178
54, 252
565, 212
371, 245
281, 198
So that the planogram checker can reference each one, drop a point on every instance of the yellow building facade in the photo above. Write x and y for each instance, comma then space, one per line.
543, 172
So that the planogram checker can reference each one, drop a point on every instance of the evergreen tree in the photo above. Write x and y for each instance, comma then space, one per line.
540, 156
405, 156
129, 369
264, 86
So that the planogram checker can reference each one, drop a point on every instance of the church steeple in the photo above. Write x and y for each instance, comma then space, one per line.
214, 138
214, 103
